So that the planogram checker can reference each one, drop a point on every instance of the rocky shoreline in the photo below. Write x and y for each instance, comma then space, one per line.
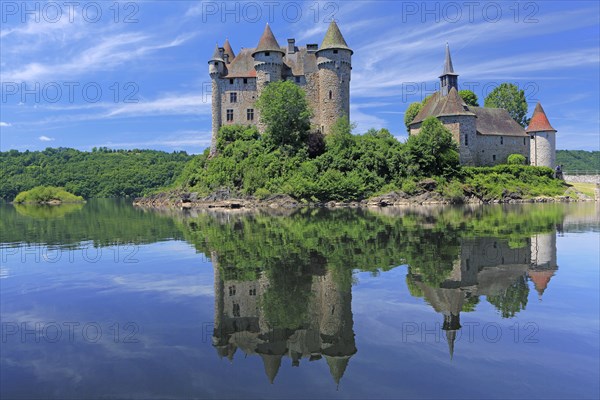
224, 199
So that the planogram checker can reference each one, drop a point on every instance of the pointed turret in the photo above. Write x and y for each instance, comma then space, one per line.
216, 54
272, 363
540, 279
228, 51
333, 39
334, 61
543, 139
448, 79
337, 366
539, 121
450, 338
267, 42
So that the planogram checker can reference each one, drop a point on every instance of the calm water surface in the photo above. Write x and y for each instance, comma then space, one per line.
103, 300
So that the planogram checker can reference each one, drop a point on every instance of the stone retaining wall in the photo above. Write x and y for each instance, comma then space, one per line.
582, 178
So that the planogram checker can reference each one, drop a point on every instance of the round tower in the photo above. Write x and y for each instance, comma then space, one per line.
268, 60
542, 146
334, 61
216, 69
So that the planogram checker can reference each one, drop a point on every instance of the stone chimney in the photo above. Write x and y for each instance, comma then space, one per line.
291, 46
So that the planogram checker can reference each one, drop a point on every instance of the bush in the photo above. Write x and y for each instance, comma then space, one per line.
516, 159
44, 194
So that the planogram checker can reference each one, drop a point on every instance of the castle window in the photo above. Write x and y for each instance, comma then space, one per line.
231, 81
330, 95
252, 292
236, 310
245, 80
524, 142
466, 140
229, 115
267, 53
250, 114
233, 97
493, 157
232, 290
335, 52
297, 79
501, 140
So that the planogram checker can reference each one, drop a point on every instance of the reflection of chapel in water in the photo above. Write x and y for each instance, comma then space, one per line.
489, 267
321, 325
305, 312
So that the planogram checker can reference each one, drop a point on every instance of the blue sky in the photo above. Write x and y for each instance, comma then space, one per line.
135, 74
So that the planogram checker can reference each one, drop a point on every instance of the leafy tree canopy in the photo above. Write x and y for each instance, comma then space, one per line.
469, 97
509, 97
285, 112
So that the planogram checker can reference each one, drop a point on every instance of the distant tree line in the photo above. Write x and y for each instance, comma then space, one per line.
101, 173
578, 160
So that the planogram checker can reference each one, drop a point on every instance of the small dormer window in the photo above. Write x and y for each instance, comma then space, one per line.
335, 52
267, 53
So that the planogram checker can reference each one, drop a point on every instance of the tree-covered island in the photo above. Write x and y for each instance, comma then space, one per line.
292, 159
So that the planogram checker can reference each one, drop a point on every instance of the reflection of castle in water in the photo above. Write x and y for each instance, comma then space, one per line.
325, 330
490, 267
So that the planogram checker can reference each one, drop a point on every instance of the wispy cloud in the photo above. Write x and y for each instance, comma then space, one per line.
46, 138
109, 53
4, 124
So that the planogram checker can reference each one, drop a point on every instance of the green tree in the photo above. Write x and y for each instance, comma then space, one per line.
411, 112
285, 112
433, 150
469, 97
509, 97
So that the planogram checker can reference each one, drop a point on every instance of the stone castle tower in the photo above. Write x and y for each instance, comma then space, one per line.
543, 139
322, 72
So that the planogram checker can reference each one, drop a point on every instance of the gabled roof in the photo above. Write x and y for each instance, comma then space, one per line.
333, 38
268, 42
216, 55
228, 50
539, 122
440, 106
496, 121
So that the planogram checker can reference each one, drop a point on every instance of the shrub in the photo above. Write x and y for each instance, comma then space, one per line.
43, 194
516, 159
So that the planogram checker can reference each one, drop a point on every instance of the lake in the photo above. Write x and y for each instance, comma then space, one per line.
104, 300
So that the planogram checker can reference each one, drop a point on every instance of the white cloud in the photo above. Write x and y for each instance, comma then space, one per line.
5, 124
109, 53
45, 138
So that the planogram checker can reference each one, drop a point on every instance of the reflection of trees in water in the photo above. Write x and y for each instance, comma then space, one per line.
44, 211
299, 270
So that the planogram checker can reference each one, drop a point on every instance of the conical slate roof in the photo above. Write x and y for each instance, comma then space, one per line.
272, 363
337, 366
448, 67
216, 55
539, 122
268, 42
333, 38
228, 50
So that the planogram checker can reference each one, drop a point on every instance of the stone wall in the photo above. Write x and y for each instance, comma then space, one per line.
464, 133
582, 178
543, 149
495, 149
246, 99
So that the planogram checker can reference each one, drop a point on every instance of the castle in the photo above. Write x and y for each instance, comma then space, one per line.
322, 72
487, 136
